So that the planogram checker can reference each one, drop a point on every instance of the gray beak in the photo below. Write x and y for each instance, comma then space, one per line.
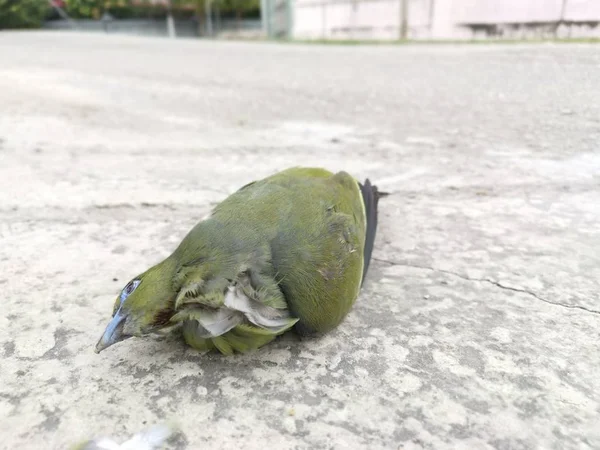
113, 332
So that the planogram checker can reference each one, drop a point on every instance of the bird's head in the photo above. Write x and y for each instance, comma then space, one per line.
144, 305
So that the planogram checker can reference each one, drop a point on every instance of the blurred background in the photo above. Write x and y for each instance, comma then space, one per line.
122, 124
315, 19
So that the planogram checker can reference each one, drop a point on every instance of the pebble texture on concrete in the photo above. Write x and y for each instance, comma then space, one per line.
478, 326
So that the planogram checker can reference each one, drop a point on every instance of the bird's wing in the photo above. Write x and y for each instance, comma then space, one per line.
320, 253
240, 317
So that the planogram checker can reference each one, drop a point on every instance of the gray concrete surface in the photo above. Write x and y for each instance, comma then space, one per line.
479, 325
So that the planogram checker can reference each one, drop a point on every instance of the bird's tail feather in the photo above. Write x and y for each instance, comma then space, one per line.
371, 196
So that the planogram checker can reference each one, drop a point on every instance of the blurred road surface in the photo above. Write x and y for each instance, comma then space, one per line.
479, 324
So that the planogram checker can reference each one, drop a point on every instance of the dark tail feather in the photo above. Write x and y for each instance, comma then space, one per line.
371, 198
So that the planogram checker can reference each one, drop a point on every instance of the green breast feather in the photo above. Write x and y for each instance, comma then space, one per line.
288, 251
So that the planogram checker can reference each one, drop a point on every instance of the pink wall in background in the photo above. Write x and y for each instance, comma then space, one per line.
441, 19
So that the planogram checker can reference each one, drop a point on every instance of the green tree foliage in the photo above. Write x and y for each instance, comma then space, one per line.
121, 9
84, 9
237, 6
93, 9
229, 8
125, 9
22, 13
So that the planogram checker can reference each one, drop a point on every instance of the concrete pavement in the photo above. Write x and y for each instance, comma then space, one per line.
478, 326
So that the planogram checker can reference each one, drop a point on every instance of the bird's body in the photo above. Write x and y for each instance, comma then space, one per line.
289, 250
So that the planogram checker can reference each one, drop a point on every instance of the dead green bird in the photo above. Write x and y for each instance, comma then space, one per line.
291, 250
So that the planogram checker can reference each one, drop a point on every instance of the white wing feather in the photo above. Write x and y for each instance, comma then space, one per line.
151, 439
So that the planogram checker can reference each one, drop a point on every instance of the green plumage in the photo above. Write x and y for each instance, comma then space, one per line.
285, 251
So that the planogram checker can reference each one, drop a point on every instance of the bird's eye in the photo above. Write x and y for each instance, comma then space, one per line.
129, 289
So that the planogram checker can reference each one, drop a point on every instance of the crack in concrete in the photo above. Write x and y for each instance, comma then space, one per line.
486, 280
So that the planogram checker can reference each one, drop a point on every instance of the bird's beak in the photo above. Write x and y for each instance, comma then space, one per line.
113, 332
